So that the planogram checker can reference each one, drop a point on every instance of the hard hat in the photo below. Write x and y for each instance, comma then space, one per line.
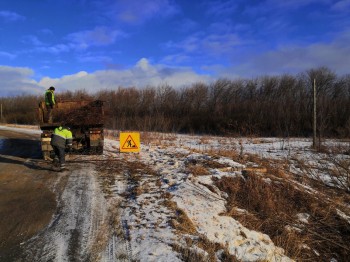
52, 88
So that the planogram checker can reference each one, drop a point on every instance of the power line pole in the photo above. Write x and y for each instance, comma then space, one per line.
314, 117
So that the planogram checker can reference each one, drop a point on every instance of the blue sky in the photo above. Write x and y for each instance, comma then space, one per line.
103, 44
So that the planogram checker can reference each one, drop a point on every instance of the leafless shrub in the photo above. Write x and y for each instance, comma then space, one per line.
332, 171
111, 134
340, 172
267, 105
148, 138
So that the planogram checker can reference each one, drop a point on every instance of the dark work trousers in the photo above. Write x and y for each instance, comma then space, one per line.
60, 152
49, 114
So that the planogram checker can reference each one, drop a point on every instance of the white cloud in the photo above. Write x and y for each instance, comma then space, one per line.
272, 8
55, 49
99, 36
45, 31
341, 6
32, 39
176, 58
9, 16
186, 25
7, 55
220, 7
294, 59
144, 65
138, 11
211, 44
141, 75
220, 44
287, 4
94, 58
17, 80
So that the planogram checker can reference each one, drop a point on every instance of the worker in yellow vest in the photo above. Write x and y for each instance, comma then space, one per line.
50, 103
62, 138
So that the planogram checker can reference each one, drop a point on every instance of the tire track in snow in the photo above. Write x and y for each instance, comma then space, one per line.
120, 246
80, 213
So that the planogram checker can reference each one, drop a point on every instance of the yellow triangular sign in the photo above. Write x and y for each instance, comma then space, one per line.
129, 142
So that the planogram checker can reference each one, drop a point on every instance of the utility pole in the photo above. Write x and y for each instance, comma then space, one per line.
314, 117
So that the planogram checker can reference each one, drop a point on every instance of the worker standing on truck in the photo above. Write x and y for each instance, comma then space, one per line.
61, 138
50, 102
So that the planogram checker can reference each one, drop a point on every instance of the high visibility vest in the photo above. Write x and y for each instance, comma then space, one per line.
47, 101
61, 137
63, 132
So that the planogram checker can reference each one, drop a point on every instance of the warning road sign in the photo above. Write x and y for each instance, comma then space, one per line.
129, 142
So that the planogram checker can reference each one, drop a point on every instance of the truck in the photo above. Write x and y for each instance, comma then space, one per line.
85, 119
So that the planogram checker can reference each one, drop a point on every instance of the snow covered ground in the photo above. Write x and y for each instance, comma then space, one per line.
168, 155
163, 207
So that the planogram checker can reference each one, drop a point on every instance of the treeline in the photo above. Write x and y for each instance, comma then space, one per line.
264, 106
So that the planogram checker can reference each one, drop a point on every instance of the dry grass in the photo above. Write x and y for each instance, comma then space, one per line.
190, 251
210, 187
157, 139
339, 172
189, 254
272, 205
199, 167
234, 155
107, 174
204, 139
273, 208
197, 170
180, 222
183, 225
109, 227
131, 171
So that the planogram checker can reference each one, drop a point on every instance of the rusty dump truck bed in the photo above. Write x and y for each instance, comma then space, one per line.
85, 119
73, 113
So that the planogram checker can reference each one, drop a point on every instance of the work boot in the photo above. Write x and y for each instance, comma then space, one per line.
55, 162
63, 167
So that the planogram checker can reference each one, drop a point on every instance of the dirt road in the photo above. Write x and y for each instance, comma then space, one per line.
45, 215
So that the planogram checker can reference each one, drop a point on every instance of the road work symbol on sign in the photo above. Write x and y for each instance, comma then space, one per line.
129, 142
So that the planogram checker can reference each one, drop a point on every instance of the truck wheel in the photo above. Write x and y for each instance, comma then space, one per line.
98, 150
46, 155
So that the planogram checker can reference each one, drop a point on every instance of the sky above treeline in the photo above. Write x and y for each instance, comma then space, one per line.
103, 44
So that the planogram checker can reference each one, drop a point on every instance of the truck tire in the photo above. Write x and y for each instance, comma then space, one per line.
46, 155
98, 150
